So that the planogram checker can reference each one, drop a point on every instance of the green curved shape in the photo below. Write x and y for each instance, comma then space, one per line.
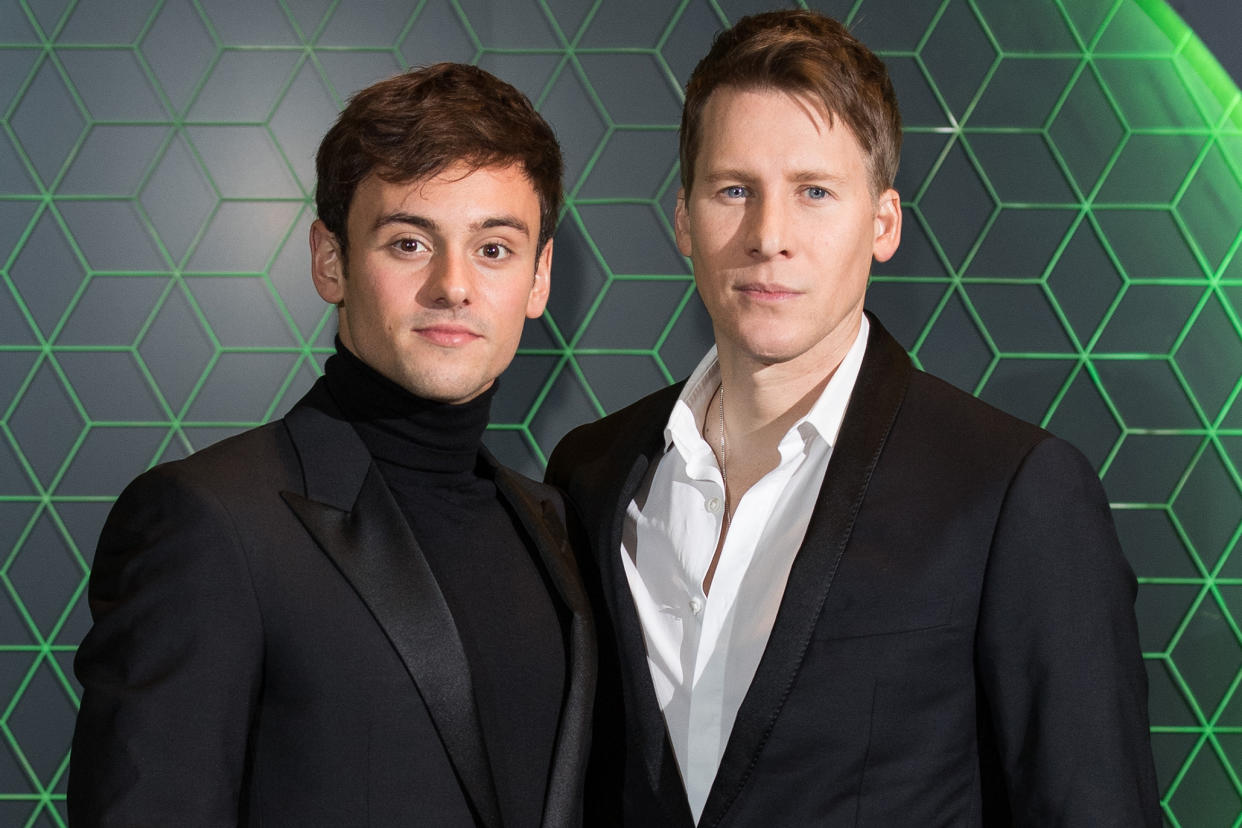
1209, 70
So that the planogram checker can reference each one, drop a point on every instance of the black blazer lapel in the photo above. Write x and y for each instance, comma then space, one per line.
350, 513
545, 524
878, 394
646, 732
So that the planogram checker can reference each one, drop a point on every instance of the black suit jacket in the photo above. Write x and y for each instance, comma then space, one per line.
956, 645
270, 647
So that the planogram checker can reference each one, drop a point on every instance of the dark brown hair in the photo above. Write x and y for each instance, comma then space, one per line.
800, 52
414, 125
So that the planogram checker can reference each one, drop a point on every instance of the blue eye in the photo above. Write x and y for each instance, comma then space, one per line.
734, 192
816, 193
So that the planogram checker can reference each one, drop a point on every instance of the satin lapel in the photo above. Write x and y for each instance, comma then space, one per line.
647, 727
546, 526
351, 514
878, 393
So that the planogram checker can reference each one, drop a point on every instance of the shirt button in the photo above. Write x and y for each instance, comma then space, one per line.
713, 505
696, 606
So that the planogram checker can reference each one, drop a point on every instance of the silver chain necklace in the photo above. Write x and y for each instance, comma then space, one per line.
724, 474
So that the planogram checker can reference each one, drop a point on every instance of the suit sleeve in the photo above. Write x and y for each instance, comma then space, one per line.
1058, 653
171, 668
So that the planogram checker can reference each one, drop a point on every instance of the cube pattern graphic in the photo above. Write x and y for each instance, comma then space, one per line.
1072, 187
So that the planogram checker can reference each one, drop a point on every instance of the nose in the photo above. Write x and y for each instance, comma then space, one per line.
768, 232
448, 284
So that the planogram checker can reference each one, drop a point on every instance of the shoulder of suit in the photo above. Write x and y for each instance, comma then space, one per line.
964, 423
216, 490
644, 414
257, 458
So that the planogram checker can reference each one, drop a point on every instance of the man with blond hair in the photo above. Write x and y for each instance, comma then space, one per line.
838, 591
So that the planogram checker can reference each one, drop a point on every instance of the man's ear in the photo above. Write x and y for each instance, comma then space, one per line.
681, 223
538, 297
887, 226
327, 264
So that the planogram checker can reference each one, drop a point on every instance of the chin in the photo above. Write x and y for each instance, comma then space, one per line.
446, 381
769, 350
428, 389
457, 392
452, 396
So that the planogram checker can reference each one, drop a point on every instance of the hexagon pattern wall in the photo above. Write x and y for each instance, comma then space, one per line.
1073, 185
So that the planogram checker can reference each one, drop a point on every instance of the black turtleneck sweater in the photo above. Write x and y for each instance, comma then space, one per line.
484, 562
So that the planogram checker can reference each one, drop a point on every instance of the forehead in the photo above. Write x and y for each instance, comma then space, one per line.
458, 189
765, 126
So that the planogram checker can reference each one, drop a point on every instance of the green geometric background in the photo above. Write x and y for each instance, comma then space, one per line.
1072, 180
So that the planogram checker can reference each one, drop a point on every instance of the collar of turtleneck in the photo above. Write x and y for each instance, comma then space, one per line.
403, 429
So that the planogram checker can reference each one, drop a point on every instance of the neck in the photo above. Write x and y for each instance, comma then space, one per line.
402, 429
768, 397
762, 401
759, 402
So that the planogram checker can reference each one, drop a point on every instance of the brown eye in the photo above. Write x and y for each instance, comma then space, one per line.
408, 245
493, 250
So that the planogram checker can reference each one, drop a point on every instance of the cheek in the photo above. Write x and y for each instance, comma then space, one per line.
712, 263
505, 302
389, 305
718, 230
709, 288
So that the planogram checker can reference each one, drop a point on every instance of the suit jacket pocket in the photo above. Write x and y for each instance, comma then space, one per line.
857, 617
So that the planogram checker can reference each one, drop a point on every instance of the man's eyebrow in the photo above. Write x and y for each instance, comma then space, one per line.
506, 220
803, 176
715, 176
824, 176
412, 219
415, 220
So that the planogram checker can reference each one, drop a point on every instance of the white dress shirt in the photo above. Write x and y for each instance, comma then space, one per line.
703, 649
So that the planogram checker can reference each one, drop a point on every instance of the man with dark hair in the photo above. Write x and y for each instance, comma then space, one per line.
354, 615
836, 590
